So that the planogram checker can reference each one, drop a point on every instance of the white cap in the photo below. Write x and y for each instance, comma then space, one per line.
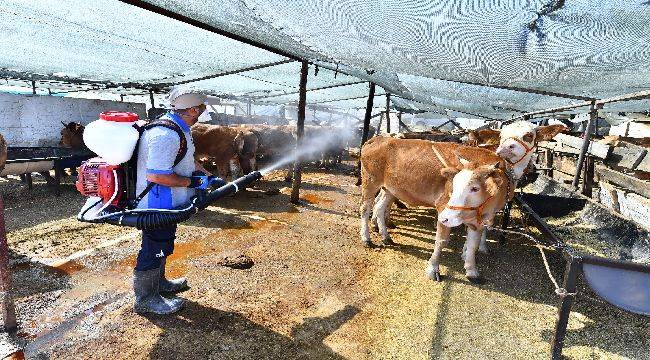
184, 98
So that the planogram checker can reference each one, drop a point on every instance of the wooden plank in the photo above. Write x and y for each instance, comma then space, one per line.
626, 155
600, 151
626, 181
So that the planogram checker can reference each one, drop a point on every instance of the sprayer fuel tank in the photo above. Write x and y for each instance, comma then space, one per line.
113, 136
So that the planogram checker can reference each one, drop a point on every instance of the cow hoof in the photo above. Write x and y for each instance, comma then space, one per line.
388, 241
484, 250
368, 244
433, 273
476, 280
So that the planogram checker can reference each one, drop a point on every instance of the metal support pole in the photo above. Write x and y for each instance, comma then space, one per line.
121, 97
399, 122
34, 87
388, 113
588, 177
7, 306
302, 106
366, 127
366, 119
151, 98
569, 284
593, 114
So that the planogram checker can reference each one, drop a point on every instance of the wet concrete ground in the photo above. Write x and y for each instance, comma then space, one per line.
313, 293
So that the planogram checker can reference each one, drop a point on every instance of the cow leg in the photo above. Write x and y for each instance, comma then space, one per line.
379, 212
234, 168
442, 238
368, 191
389, 222
366, 204
473, 240
373, 219
222, 170
289, 175
482, 247
380, 197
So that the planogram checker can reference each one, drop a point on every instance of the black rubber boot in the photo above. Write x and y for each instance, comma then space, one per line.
147, 298
170, 286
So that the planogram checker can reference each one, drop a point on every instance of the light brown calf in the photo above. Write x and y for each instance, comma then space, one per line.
219, 144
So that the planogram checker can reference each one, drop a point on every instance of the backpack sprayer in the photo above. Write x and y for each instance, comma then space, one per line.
109, 180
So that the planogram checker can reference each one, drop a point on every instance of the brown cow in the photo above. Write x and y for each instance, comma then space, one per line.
274, 143
219, 144
514, 143
3, 152
417, 172
246, 158
72, 135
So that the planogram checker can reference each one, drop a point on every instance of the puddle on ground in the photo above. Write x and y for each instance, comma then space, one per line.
64, 269
184, 252
68, 268
315, 199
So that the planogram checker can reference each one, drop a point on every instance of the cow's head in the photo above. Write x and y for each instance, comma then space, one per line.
471, 189
519, 139
72, 135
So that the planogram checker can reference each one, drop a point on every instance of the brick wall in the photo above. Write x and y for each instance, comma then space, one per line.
35, 120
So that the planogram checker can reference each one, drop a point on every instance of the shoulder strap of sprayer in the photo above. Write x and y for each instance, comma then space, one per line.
182, 149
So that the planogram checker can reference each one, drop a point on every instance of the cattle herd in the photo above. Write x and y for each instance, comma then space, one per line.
236, 149
468, 183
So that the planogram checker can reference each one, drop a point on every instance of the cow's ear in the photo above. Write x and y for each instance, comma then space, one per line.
546, 133
463, 161
487, 171
489, 136
449, 172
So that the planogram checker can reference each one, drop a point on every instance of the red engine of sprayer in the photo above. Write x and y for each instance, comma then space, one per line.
97, 178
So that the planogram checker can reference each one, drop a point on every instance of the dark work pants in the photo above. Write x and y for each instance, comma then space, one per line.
156, 245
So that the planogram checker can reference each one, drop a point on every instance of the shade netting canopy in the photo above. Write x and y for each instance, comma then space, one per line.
493, 58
